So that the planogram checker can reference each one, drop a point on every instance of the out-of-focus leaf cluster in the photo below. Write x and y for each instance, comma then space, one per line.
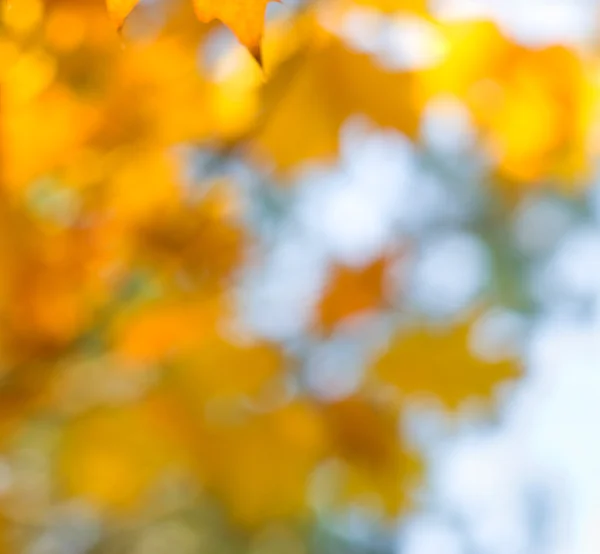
149, 175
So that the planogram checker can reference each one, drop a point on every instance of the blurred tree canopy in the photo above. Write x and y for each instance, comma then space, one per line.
188, 361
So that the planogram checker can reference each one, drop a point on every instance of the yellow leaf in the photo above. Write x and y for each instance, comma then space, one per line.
120, 9
217, 368
538, 125
244, 17
331, 83
111, 458
262, 466
365, 436
532, 106
423, 363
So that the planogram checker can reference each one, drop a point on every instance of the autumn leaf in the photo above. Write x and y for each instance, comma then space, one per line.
364, 435
198, 242
244, 17
120, 9
332, 83
424, 363
157, 332
352, 292
280, 450
111, 458
532, 106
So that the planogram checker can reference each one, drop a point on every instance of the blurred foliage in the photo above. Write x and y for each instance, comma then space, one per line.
151, 169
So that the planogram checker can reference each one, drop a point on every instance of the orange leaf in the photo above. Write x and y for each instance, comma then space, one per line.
352, 291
